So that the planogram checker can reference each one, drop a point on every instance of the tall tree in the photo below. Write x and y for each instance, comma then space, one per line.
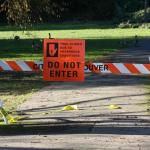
23, 12
17, 11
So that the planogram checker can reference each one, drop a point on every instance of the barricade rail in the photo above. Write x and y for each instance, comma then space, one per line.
104, 68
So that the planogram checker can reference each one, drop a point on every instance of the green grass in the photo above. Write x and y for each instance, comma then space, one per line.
95, 48
115, 33
100, 39
21, 49
15, 89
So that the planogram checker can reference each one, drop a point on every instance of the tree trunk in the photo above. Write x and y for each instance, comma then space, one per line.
145, 10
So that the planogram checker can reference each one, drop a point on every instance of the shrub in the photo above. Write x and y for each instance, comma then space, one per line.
138, 17
125, 25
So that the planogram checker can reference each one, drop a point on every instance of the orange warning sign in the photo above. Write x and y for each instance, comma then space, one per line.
64, 60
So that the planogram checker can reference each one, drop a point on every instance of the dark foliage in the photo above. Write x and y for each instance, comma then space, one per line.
23, 12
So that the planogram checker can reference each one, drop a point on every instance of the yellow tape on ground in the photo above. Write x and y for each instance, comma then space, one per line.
65, 108
114, 107
8, 119
70, 107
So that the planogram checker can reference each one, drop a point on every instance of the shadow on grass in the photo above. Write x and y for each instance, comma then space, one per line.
62, 26
23, 50
19, 83
20, 49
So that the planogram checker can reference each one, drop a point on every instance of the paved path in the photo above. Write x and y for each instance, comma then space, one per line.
93, 125
137, 54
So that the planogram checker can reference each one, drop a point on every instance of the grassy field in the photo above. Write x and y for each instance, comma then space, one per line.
100, 39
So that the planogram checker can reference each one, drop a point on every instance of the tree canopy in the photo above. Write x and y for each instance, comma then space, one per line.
23, 12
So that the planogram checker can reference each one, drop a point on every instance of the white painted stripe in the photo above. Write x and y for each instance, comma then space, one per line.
23, 66
5, 66
141, 68
122, 68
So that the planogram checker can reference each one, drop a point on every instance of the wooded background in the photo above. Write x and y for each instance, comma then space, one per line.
33, 11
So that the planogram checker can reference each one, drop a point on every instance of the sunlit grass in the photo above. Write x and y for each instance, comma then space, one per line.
80, 33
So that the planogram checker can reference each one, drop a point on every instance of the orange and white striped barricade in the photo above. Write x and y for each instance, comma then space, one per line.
103, 68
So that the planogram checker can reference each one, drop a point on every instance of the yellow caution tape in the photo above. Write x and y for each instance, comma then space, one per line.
65, 108
114, 107
16, 119
9, 119
70, 107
